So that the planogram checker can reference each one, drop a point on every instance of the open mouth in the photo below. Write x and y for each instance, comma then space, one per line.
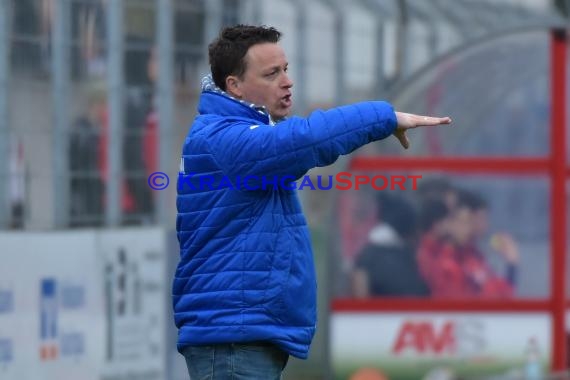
286, 100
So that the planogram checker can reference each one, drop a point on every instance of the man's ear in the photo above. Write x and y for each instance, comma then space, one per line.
233, 86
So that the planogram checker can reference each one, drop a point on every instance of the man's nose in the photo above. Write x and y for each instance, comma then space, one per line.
287, 82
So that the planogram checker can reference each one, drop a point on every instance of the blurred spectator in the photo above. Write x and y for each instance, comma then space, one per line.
139, 77
387, 265
139, 144
453, 265
502, 243
87, 186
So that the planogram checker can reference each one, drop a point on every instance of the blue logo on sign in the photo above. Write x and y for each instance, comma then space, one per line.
55, 298
48, 319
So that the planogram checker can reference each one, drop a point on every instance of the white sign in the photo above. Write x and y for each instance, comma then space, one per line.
83, 305
408, 345
51, 324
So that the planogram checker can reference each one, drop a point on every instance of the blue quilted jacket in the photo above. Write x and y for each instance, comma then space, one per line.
246, 269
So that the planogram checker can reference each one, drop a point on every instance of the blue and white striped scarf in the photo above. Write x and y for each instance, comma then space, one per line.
209, 85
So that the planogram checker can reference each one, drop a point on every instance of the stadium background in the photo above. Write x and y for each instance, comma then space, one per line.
84, 278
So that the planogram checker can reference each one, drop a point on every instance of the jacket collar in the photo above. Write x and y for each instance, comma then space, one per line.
214, 100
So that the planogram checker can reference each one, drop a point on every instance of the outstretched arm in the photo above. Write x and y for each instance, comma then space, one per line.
296, 145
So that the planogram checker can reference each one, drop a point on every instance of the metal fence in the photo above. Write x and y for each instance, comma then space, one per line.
83, 84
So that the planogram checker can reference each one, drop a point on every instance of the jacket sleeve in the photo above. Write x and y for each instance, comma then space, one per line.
292, 147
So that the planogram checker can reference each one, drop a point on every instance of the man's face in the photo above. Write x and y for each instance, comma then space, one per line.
265, 81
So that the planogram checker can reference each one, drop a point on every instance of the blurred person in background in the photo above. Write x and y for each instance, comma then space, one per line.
140, 140
453, 264
387, 265
502, 242
244, 292
139, 78
87, 187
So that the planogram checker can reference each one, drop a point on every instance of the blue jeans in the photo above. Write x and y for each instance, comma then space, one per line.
247, 361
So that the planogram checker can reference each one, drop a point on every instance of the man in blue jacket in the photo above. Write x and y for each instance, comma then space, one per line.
244, 292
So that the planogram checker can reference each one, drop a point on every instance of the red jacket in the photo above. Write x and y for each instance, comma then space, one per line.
458, 272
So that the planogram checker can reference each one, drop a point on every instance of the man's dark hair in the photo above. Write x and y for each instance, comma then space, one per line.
227, 52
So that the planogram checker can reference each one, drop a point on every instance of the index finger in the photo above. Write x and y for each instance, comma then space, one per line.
429, 120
